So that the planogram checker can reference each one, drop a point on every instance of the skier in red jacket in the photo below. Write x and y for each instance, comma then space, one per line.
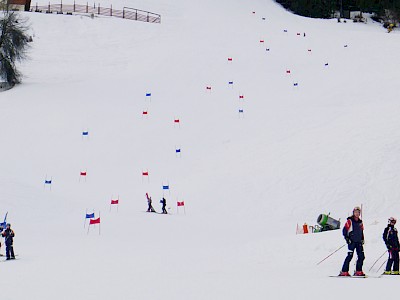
353, 232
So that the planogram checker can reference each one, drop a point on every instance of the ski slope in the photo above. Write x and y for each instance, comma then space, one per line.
326, 144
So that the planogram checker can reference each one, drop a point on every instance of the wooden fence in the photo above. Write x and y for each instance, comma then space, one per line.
125, 13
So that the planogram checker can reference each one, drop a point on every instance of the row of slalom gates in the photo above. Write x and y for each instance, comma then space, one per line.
324, 221
94, 219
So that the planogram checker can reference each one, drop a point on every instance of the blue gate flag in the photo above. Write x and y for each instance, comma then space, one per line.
240, 110
4, 224
90, 216
85, 133
230, 82
47, 181
178, 150
148, 94
295, 84
165, 187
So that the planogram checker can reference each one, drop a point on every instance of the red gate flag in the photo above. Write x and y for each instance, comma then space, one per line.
229, 58
94, 221
288, 71
145, 173
208, 87
145, 112
114, 201
261, 41
83, 173
182, 203
176, 120
241, 96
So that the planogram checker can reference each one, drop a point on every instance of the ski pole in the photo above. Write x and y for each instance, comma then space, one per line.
381, 266
331, 254
377, 261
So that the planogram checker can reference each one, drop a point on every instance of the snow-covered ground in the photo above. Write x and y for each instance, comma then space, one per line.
326, 145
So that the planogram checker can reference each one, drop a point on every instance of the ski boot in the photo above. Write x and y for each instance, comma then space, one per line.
359, 273
344, 274
387, 273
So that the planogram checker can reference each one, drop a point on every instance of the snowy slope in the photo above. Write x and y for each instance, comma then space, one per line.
325, 145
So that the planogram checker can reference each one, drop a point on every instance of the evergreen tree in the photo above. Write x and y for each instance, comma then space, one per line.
383, 10
13, 45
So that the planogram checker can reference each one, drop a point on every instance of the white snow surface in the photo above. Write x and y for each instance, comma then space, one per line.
326, 145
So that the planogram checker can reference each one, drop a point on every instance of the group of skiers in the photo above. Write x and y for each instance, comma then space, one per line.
353, 232
150, 208
8, 235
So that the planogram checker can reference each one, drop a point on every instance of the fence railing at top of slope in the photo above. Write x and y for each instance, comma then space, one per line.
126, 13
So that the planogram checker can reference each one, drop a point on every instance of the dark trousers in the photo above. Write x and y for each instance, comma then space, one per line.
393, 260
9, 250
150, 208
164, 211
360, 257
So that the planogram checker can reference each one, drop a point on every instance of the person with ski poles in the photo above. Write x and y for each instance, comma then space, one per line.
8, 235
149, 202
353, 232
164, 204
391, 239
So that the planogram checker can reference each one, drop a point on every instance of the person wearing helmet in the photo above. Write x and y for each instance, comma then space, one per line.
149, 202
164, 204
353, 232
391, 240
8, 235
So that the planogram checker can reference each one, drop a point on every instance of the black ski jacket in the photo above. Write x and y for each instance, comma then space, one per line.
391, 238
8, 235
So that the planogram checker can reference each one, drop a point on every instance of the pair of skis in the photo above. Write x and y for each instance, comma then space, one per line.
354, 276
364, 276
5, 260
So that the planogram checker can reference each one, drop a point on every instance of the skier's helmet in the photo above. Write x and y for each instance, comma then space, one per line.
8, 225
357, 208
392, 220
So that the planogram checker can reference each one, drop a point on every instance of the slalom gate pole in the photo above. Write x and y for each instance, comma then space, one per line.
84, 223
377, 260
331, 254
99, 223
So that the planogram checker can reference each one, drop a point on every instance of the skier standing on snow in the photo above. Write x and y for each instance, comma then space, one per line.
353, 232
149, 201
392, 243
8, 235
164, 204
